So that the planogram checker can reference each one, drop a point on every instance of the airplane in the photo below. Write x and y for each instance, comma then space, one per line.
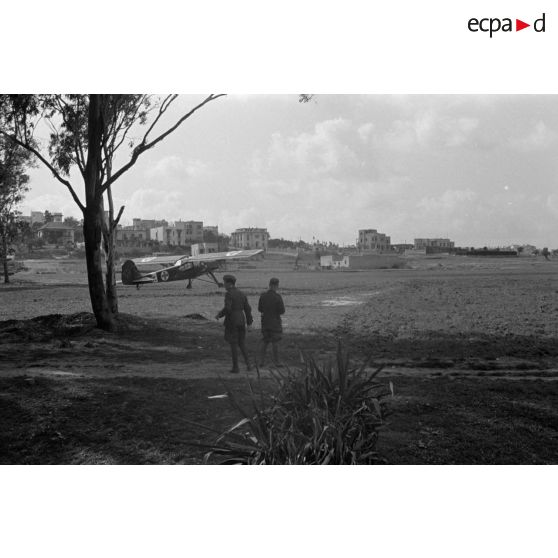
176, 268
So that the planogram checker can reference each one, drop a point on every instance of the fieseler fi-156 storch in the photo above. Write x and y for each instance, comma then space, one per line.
177, 268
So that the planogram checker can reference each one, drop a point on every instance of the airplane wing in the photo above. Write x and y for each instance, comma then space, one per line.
159, 260
220, 256
151, 263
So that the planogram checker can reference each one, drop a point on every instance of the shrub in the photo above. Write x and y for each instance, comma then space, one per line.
328, 413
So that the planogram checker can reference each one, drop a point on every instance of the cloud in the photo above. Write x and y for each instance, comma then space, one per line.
552, 204
540, 137
459, 131
173, 165
418, 165
449, 201
366, 131
327, 150
427, 130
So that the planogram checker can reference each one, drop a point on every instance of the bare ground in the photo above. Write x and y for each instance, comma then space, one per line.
471, 347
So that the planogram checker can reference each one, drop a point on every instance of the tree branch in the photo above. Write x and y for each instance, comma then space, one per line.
118, 217
127, 127
47, 164
162, 109
145, 146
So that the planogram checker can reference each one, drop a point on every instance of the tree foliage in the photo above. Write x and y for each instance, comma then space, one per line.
86, 133
14, 161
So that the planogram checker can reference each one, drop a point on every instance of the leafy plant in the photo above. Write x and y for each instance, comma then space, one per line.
322, 413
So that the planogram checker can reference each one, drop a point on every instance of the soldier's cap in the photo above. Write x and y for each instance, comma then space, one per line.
229, 279
274, 281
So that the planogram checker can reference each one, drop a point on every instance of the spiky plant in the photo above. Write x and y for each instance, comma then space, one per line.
322, 413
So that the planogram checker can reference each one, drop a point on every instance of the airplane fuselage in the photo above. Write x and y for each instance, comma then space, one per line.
188, 270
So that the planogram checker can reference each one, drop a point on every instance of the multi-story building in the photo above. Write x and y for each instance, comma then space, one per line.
147, 225
139, 233
181, 233
250, 238
192, 230
371, 239
131, 236
433, 244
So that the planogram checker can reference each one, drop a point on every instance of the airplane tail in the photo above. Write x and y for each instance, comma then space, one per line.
130, 272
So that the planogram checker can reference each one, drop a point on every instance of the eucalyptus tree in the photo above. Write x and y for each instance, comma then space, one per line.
14, 161
86, 133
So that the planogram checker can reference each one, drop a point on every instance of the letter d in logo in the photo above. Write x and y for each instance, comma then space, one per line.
539, 24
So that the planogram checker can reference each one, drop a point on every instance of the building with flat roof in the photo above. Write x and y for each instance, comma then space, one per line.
434, 245
181, 233
132, 236
371, 239
250, 238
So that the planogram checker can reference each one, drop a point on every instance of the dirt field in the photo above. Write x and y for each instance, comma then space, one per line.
471, 346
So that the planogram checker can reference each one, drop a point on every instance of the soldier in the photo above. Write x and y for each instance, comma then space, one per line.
237, 313
271, 307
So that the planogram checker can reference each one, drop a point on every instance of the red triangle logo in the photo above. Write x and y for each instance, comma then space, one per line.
519, 25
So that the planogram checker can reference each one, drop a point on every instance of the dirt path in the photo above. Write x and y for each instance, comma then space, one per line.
193, 348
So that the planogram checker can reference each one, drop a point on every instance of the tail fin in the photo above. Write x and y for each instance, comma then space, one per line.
130, 273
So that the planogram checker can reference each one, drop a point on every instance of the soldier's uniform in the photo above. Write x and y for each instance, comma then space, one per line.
238, 314
272, 308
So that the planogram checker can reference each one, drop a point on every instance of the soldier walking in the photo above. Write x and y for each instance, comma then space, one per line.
272, 308
238, 314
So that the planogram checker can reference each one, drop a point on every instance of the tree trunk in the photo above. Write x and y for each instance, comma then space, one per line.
109, 233
5, 259
93, 218
92, 223
112, 295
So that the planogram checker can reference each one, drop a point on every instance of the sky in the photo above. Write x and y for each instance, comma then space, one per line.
481, 170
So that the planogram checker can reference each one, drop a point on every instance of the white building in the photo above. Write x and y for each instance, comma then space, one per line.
204, 248
181, 233
334, 262
362, 261
249, 238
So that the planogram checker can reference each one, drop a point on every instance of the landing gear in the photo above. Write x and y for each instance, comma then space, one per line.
189, 285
